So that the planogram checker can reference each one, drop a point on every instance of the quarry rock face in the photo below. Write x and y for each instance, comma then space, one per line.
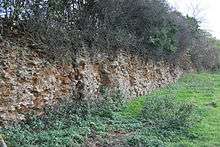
28, 82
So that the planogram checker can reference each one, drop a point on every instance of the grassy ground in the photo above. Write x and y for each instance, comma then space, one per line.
203, 90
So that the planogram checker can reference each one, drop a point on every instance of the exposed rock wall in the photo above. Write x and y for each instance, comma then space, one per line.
29, 82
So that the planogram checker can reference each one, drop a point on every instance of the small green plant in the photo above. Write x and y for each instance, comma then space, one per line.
166, 113
149, 141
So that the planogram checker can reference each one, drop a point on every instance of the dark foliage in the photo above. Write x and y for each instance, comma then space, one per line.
143, 26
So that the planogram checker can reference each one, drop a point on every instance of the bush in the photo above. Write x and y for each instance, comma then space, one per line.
149, 141
149, 28
146, 26
165, 113
203, 52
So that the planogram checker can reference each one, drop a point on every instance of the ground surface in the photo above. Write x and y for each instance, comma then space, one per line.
203, 90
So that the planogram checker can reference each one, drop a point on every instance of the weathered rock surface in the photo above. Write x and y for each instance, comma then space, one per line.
29, 82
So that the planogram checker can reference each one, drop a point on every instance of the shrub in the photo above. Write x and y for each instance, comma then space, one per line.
203, 52
146, 26
149, 141
165, 113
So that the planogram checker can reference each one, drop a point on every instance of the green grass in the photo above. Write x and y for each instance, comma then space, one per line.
204, 91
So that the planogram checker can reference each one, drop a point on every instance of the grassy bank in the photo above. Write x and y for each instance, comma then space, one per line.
201, 89
186, 113
208, 98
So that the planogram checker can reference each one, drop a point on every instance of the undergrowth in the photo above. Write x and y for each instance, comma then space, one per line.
85, 123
